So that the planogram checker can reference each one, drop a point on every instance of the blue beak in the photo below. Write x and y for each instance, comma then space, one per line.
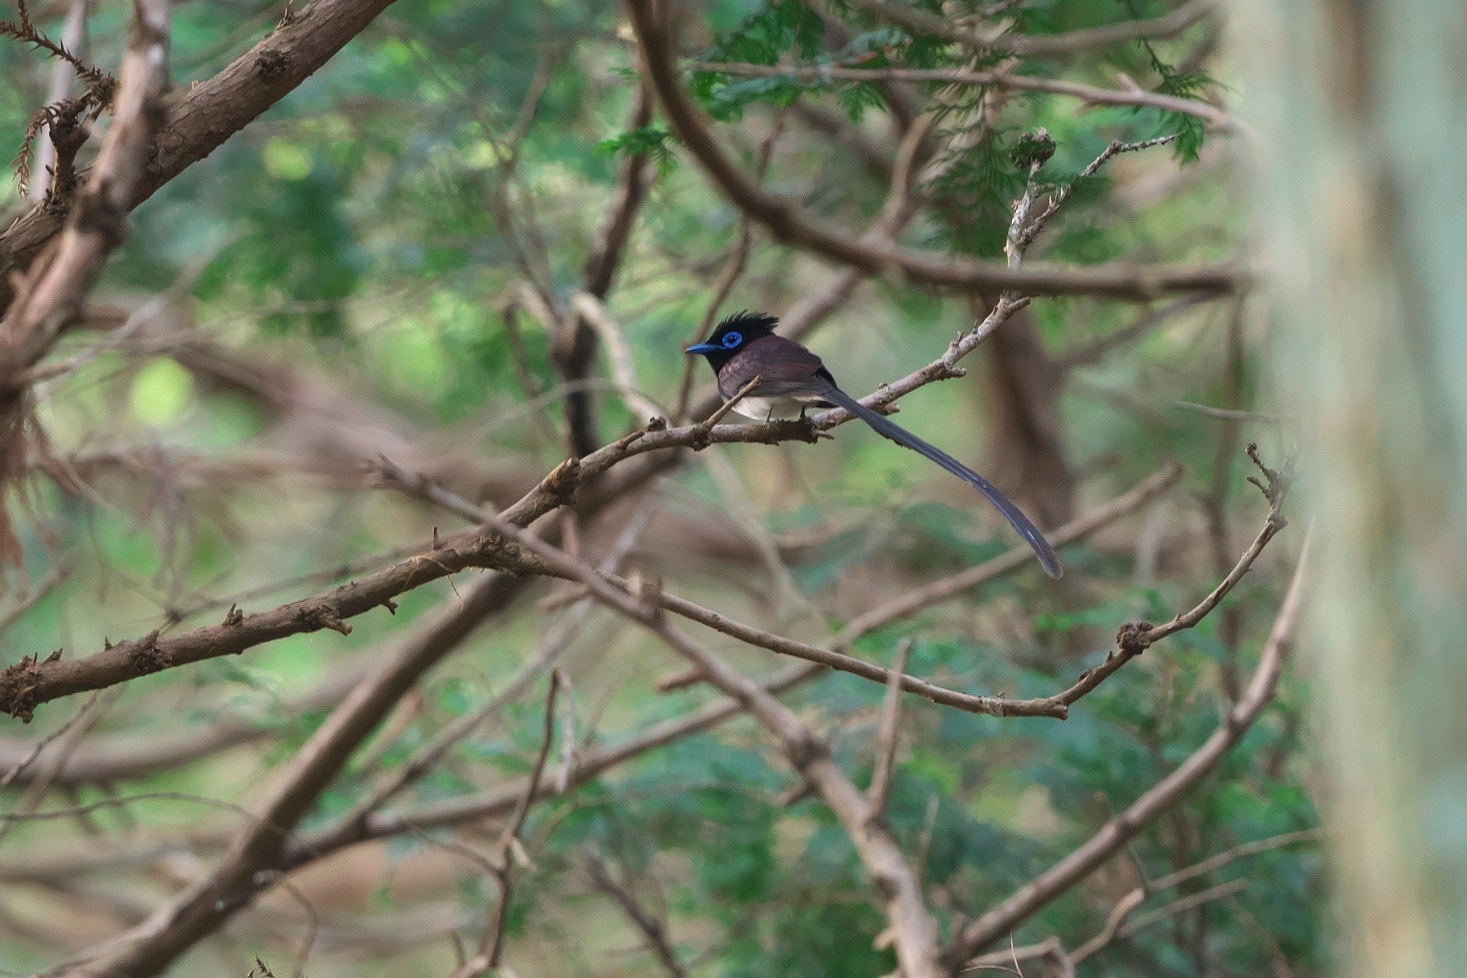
703, 348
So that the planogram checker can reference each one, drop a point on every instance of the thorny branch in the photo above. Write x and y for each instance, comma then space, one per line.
271, 848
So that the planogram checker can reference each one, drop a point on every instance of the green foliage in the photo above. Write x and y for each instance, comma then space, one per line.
1191, 131
654, 142
981, 186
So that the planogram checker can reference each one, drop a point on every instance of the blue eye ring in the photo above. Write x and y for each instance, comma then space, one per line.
732, 339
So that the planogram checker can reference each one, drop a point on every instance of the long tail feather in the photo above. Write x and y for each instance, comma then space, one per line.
885, 426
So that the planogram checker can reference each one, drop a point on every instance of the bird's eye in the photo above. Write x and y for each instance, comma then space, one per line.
731, 340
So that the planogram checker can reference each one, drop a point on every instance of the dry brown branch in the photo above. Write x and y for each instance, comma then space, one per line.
110, 758
891, 877
50, 296
203, 117
1089, 94
254, 860
1135, 638
792, 224
573, 338
1003, 918
1015, 559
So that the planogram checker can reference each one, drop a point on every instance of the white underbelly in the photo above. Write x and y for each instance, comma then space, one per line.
765, 408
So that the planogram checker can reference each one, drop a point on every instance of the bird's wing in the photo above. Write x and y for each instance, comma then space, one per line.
784, 368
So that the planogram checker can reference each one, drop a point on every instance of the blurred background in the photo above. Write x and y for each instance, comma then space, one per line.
384, 266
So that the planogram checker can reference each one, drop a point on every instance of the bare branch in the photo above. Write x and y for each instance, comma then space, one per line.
50, 297
200, 119
254, 861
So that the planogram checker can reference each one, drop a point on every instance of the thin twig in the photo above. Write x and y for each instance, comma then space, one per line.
1228, 414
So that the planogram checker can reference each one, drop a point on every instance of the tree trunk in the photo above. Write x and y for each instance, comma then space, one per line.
1360, 203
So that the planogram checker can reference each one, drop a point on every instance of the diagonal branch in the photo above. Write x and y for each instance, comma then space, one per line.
652, 929
201, 118
254, 862
51, 295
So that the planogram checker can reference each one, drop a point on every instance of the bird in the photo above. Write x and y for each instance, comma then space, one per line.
792, 379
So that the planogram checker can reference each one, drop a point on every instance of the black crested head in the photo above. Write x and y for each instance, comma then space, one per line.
732, 335
750, 323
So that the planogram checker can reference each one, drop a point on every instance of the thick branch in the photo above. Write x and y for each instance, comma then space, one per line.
52, 294
201, 118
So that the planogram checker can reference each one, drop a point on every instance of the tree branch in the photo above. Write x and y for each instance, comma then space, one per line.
201, 118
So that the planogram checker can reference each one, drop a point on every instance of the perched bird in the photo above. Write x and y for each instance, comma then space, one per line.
792, 379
